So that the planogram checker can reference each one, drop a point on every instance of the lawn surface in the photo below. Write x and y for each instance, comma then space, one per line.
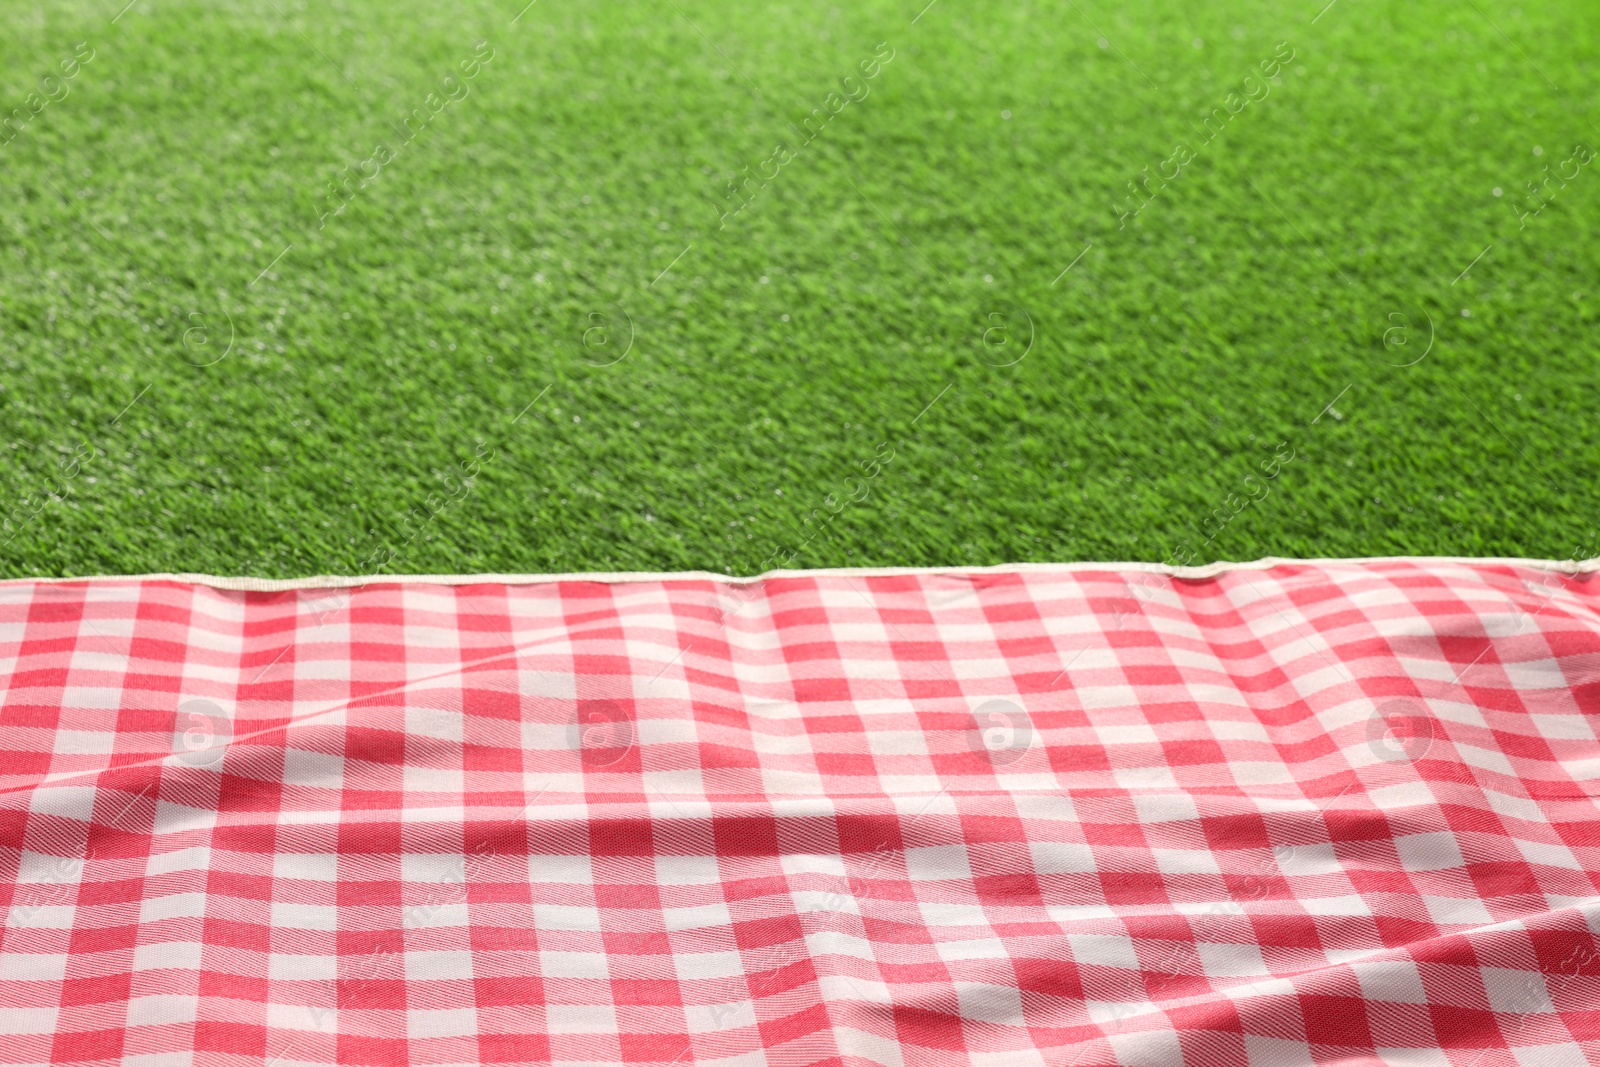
531, 331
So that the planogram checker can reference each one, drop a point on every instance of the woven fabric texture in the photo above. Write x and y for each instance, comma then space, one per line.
1313, 813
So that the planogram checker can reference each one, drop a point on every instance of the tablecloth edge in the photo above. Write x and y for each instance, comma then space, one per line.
247, 583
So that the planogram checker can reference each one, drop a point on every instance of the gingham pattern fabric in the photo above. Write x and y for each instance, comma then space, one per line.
1332, 813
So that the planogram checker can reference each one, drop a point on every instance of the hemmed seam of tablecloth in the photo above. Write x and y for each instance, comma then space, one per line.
246, 583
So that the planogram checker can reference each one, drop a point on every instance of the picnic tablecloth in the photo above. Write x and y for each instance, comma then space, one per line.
1274, 814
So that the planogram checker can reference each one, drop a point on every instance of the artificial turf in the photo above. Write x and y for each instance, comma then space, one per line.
880, 358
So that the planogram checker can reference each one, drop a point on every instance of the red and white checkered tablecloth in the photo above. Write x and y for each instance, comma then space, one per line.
1059, 816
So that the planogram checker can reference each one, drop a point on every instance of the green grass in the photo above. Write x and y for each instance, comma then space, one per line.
787, 352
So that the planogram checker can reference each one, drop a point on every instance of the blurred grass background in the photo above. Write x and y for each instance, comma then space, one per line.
527, 345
